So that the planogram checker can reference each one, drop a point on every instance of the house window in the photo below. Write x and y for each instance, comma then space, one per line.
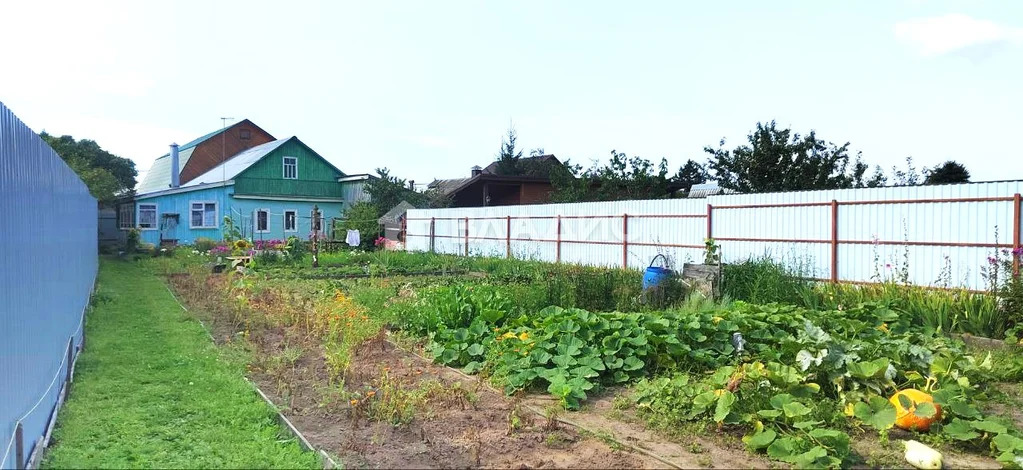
290, 168
290, 221
126, 216
263, 220
147, 216
244, 134
203, 214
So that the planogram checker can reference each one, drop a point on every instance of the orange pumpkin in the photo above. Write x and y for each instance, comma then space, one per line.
906, 418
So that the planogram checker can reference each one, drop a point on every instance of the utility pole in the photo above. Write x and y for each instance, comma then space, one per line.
223, 145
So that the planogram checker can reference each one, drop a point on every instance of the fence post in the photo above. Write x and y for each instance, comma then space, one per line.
70, 357
710, 233
433, 228
467, 236
625, 241
1015, 233
403, 236
558, 246
834, 240
508, 237
19, 445
316, 235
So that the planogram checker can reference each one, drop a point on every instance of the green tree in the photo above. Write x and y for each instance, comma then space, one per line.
908, 177
508, 158
780, 160
106, 175
689, 174
362, 216
387, 191
622, 178
949, 172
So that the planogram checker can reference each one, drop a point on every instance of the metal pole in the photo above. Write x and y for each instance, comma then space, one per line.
834, 240
710, 225
466, 236
433, 228
558, 252
625, 240
1015, 233
508, 237
19, 446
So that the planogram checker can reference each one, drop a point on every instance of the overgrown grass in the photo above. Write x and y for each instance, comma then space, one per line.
151, 390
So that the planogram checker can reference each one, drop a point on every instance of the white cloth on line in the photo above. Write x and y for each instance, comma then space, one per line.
352, 238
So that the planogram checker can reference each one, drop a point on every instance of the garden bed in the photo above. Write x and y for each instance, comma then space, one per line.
806, 386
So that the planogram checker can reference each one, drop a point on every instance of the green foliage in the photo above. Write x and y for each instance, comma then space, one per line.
204, 244
230, 230
131, 240
762, 280
950, 172
509, 157
780, 160
689, 174
386, 191
106, 174
622, 178
362, 216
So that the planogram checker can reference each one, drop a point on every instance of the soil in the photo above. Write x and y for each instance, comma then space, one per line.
466, 428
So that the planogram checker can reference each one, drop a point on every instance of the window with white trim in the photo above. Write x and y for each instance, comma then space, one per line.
290, 168
290, 221
147, 216
262, 220
203, 214
126, 216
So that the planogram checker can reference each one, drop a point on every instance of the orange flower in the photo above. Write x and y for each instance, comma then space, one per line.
370, 393
354, 402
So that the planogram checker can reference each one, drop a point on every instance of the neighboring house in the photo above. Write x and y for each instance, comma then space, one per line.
484, 187
394, 221
699, 191
268, 190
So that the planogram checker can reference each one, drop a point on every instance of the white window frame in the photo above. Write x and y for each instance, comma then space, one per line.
216, 214
156, 216
294, 164
294, 214
255, 221
126, 221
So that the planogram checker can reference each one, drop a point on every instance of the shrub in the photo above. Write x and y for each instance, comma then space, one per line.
361, 216
204, 244
131, 240
763, 281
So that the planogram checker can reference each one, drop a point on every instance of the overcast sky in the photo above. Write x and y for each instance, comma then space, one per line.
429, 88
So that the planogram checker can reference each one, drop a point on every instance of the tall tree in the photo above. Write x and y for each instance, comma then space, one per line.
387, 191
908, 177
781, 160
947, 173
508, 157
689, 174
622, 178
106, 174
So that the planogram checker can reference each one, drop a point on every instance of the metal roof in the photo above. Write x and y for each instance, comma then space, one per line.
235, 165
158, 177
391, 217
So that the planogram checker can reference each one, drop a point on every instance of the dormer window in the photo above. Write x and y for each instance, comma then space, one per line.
290, 168
244, 134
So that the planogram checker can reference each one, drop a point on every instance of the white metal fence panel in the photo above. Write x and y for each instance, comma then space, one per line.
856, 235
48, 262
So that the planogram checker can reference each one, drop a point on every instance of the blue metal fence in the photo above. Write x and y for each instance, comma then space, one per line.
48, 264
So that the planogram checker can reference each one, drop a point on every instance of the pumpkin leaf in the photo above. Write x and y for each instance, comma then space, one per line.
925, 410
760, 439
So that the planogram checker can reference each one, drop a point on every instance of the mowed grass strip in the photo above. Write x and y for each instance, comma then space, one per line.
152, 390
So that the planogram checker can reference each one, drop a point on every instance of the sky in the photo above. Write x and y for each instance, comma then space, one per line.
429, 89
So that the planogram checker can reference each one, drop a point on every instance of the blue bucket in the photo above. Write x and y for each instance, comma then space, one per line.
654, 275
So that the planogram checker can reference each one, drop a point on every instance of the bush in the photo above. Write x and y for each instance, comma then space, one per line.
131, 240
361, 216
763, 281
204, 244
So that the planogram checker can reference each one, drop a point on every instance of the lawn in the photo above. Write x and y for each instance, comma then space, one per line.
152, 390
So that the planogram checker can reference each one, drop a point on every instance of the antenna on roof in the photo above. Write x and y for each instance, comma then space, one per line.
223, 146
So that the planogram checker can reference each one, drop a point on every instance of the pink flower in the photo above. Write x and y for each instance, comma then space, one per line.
992, 260
1018, 252
888, 265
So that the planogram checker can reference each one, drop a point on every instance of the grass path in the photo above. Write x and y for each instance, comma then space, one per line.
151, 390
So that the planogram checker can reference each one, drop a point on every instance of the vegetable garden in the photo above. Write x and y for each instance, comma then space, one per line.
811, 375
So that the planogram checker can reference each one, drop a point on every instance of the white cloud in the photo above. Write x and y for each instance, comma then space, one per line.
954, 32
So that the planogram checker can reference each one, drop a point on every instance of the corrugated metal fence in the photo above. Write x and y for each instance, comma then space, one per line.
48, 263
852, 235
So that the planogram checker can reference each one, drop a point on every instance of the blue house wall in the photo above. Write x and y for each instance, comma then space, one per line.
240, 210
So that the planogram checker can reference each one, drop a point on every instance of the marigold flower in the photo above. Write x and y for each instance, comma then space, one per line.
523, 336
370, 393
354, 402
